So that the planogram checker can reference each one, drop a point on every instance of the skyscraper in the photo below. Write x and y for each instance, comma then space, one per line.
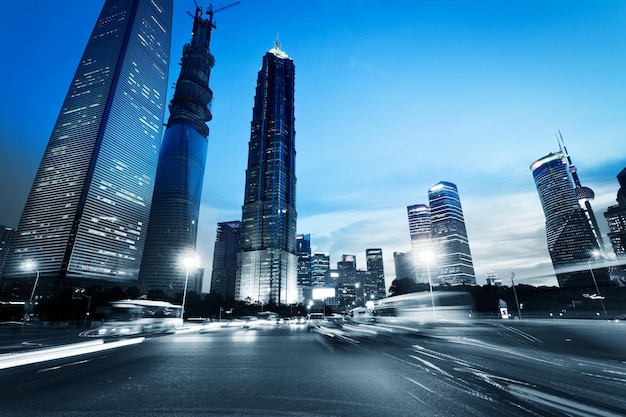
267, 262
225, 259
87, 212
6, 236
303, 251
320, 264
376, 267
616, 219
421, 241
571, 240
173, 225
453, 259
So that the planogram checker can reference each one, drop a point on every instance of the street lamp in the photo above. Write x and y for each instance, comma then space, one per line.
427, 257
596, 254
31, 266
188, 262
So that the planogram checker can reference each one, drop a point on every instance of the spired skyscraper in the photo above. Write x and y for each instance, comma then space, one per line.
572, 243
453, 259
87, 211
267, 261
173, 225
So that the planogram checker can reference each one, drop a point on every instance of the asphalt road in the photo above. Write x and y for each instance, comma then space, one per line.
486, 369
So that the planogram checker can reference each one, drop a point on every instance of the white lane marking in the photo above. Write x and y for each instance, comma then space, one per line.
421, 385
56, 368
415, 396
431, 365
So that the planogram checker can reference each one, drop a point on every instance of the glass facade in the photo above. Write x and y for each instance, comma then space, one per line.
88, 208
225, 259
452, 260
375, 266
267, 262
172, 232
571, 241
320, 264
303, 251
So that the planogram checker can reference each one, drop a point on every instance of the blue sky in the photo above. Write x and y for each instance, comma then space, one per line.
391, 98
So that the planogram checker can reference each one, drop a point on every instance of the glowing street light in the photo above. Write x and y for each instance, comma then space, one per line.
596, 254
188, 262
31, 266
427, 256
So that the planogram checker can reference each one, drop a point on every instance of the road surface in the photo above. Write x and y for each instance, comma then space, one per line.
484, 369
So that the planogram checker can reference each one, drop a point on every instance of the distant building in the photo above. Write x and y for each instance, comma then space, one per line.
375, 266
404, 265
225, 259
267, 262
320, 265
86, 215
347, 270
303, 252
452, 262
421, 240
571, 240
173, 228
492, 279
6, 236
616, 219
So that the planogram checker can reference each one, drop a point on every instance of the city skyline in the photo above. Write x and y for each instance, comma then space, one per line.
409, 94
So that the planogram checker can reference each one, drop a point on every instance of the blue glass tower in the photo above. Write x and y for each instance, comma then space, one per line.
88, 209
173, 225
571, 239
267, 262
453, 259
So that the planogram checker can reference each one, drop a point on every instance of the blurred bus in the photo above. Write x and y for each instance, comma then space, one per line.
131, 317
425, 307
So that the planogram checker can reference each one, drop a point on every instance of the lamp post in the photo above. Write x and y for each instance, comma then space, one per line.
519, 310
188, 262
595, 255
427, 257
30, 266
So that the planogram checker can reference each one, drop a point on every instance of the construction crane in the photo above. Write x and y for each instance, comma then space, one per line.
211, 12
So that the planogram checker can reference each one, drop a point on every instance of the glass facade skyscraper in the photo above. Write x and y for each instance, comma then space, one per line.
320, 264
453, 260
225, 259
571, 240
267, 262
303, 251
87, 212
173, 225
376, 267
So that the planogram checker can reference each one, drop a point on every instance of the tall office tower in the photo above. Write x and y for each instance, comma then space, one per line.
87, 211
419, 226
267, 260
376, 267
453, 260
303, 252
6, 236
225, 259
347, 269
320, 264
421, 242
571, 241
616, 219
173, 227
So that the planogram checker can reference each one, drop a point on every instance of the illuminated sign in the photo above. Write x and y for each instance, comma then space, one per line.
323, 293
